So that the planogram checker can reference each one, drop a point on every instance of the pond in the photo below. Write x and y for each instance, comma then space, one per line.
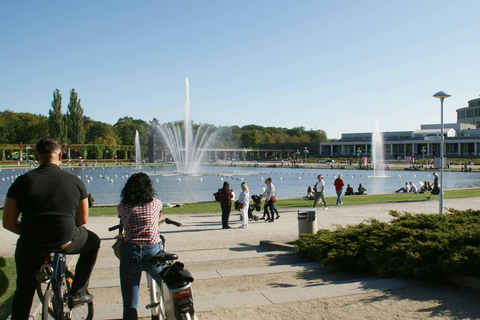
106, 183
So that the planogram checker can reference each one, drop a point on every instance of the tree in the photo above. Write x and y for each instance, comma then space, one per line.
100, 132
56, 123
76, 132
125, 130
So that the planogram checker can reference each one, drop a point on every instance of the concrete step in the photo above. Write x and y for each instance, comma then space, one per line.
233, 300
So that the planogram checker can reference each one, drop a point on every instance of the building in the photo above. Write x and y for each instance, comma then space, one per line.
470, 114
461, 139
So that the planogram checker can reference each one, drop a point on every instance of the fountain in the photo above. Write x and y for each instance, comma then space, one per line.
378, 160
378, 156
187, 148
138, 151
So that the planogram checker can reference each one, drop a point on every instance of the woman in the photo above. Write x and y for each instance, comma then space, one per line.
435, 188
226, 196
269, 204
244, 199
142, 239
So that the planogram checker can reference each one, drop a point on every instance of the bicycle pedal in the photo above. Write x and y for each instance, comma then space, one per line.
152, 305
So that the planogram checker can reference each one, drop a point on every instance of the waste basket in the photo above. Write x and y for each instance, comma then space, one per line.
307, 221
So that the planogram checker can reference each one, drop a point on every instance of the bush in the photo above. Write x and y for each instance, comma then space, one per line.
410, 246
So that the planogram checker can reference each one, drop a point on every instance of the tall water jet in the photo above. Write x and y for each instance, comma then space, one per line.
187, 148
138, 151
378, 155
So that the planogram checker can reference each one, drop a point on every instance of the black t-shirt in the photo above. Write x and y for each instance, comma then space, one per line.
48, 199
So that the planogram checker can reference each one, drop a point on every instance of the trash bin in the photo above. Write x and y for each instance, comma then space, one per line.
307, 221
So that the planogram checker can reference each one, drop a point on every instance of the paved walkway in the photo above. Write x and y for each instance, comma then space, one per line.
232, 271
203, 231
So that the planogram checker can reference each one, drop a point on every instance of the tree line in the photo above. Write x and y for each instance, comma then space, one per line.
73, 127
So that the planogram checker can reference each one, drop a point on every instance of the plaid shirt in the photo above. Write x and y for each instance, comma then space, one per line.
143, 225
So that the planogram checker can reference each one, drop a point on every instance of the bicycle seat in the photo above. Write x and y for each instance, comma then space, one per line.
163, 256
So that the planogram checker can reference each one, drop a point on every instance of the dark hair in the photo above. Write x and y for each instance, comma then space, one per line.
138, 190
226, 187
47, 146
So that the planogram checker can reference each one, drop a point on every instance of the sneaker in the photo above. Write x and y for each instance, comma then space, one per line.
262, 218
74, 302
325, 208
277, 217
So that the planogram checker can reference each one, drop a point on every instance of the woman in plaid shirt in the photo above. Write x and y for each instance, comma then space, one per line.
142, 239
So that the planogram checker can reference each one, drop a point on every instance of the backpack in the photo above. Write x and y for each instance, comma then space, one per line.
217, 196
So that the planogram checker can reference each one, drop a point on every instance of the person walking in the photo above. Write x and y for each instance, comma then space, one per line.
139, 212
270, 198
225, 195
53, 205
319, 189
339, 188
436, 187
243, 198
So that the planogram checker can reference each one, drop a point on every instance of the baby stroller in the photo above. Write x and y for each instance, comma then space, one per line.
255, 206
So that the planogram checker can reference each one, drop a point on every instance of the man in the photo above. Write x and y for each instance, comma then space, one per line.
413, 188
54, 206
404, 189
339, 188
319, 190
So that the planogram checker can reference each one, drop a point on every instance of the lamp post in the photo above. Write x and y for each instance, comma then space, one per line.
441, 95
305, 152
423, 152
244, 153
298, 154
115, 156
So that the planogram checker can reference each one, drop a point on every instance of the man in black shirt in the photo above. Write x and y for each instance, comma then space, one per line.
54, 206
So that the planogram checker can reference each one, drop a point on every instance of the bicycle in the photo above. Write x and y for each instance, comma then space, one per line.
172, 299
58, 278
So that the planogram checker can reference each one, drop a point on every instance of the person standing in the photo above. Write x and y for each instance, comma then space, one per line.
339, 188
53, 206
139, 212
319, 190
435, 188
243, 198
226, 196
269, 206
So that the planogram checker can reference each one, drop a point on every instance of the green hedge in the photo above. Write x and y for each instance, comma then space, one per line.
410, 246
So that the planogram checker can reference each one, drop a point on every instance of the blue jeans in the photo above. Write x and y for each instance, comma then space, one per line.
135, 259
339, 196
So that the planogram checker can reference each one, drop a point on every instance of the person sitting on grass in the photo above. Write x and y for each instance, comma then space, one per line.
404, 189
349, 190
435, 188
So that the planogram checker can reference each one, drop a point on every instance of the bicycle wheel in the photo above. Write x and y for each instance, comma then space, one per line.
83, 312
156, 298
50, 308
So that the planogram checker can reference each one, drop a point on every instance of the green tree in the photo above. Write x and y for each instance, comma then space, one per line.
56, 124
125, 130
76, 132
100, 132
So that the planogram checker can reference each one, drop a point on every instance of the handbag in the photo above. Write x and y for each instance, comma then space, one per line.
239, 206
118, 245
273, 199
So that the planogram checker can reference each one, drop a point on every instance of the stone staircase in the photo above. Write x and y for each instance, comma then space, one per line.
242, 277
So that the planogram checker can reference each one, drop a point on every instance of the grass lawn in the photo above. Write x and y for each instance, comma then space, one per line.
202, 207
8, 275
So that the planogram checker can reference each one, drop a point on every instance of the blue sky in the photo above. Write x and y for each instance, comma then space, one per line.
330, 65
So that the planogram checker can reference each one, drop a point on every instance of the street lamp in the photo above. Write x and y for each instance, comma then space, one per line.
423, 152
298, 154
244, 153
305, 152
441, 95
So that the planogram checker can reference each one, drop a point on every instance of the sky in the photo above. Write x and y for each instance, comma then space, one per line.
329, 65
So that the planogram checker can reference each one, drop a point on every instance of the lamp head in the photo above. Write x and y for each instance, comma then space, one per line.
441, 95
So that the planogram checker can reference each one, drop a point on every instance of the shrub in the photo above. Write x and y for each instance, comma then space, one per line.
410, 246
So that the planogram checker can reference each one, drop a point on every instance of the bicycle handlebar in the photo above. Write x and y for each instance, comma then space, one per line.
166, 220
